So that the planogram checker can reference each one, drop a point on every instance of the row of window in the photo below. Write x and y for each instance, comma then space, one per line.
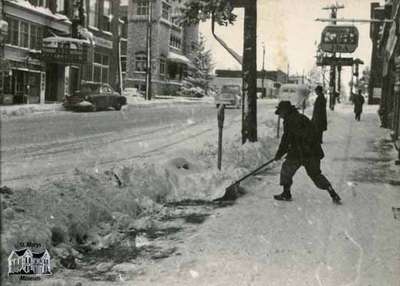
60, 4
141, 63
100, 14
142, 9
175, 42
24, 34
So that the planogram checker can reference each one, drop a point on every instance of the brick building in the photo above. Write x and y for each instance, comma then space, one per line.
171, 45
40, 62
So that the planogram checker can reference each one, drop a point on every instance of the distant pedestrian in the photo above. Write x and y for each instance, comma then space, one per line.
319, 117
358, 101
301, 144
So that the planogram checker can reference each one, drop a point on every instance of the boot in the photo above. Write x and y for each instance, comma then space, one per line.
335, 197
284, 196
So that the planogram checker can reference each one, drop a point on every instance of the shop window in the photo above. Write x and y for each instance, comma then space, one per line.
24, 35
106, 21
93, 13
61, 7
140, 62
142, 7
101, 68
165, 11
163, 65
13, 32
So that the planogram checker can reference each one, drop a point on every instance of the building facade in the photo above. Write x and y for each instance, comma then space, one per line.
43, 57
25, 261
171, 45
389, 54
268, 82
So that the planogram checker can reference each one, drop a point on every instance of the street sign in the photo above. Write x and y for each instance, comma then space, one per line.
339, 39
331, 61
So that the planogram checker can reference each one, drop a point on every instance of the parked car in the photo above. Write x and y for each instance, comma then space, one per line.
230, 95
94, 96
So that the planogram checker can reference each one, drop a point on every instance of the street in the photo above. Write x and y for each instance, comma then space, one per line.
31, 154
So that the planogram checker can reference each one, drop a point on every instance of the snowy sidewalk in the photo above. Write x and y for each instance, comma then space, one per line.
309, 241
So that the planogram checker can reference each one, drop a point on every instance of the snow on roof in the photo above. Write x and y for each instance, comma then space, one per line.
42, 10
65, 39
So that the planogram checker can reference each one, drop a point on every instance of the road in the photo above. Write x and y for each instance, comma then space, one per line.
42, 146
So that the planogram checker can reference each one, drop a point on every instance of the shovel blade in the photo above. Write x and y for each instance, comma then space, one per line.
231, 193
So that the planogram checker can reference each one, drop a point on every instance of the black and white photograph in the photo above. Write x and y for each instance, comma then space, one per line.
200, 142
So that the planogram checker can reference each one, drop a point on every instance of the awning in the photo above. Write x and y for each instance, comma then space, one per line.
177, 58
54, 41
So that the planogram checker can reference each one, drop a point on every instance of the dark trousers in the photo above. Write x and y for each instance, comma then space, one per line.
313, 169
358, 116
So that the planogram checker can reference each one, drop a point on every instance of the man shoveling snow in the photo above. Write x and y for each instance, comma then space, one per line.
300, 143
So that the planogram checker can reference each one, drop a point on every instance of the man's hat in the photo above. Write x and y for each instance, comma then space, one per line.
319, 88
283, 105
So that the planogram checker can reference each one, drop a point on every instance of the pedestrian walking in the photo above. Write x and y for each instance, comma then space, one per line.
319, 117
358, 101
300, 143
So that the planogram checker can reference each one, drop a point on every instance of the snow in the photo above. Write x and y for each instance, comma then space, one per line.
41, 10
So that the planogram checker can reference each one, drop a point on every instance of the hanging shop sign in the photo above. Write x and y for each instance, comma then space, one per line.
65, 50
331, 61
339, 39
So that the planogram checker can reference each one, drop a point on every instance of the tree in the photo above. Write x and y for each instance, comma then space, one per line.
195, 11
202, 59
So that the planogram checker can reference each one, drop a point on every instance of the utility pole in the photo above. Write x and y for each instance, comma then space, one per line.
263, 72
148, 49
332, 82
339, 87
249, 86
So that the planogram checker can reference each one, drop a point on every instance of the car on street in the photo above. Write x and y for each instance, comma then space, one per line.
230, 95
94, 96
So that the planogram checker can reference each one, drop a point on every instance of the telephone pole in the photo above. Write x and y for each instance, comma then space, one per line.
332, 81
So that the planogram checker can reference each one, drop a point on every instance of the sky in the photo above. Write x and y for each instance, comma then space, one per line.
290, 33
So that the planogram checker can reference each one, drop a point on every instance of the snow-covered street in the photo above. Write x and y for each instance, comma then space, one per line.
259, 241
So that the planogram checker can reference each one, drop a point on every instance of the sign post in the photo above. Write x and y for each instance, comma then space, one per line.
221, 117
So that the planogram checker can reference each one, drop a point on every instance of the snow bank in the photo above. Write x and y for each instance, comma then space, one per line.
96, 206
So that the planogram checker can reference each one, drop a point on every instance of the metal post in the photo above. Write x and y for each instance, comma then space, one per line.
263, 73
221, 117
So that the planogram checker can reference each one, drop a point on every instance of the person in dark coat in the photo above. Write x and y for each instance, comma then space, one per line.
358, 101
301, 144
319, 117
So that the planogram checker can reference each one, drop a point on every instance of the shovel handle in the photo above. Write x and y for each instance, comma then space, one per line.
255, 171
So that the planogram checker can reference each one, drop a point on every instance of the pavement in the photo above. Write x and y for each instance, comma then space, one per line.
309, 241
26, 109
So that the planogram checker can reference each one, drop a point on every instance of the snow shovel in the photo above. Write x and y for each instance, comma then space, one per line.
233, 191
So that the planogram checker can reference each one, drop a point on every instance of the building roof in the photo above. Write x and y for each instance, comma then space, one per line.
20, 252
38, 254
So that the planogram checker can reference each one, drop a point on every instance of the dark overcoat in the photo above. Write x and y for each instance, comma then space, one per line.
358, 101
319, 117
299, 139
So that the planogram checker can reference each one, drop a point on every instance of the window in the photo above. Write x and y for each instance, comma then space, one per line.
35, 37
165, 11
24, 35
93, 13
101, 68
175, 42
14, 32
140, 62
42, 3
123, 64
106, 15
163, 65
142, 7
61, 7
